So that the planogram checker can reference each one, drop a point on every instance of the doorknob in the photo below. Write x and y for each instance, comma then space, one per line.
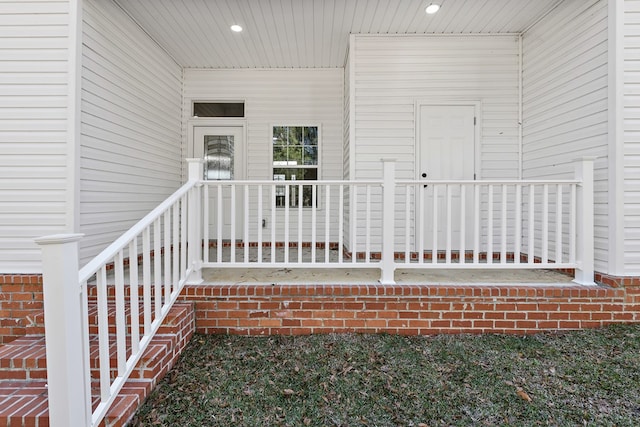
424, 175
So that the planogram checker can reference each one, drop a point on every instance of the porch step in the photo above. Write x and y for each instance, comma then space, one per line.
170, 325
25, 358
23, 392
25, 403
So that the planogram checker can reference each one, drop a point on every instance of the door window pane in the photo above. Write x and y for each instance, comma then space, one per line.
218, 157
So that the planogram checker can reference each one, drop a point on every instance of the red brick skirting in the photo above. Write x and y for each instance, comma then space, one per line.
407, 309
20, 301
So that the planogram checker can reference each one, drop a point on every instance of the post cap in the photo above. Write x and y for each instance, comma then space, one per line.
57, 239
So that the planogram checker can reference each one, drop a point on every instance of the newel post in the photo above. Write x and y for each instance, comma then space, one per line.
387, 263
585, 223
66, 333
194, 225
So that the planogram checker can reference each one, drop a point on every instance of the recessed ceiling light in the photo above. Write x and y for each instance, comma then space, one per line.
236, 28
432, 8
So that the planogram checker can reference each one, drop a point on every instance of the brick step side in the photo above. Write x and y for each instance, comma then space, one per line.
25, 403
36, 321
23, 392
25, 358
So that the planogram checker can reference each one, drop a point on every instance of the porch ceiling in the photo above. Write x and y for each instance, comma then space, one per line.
311, 33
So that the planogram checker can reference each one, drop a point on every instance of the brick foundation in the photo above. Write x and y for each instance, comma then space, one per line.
20, 301
404, 309
407, 309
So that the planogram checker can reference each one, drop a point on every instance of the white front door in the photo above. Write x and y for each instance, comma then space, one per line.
222, 149
447, 152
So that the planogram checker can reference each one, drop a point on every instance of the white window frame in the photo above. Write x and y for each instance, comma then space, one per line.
317, 166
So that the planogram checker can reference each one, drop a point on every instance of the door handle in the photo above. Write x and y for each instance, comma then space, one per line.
424, 175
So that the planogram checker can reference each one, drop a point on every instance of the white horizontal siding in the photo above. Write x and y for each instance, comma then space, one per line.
131, 108
565, 91
276, 97
33, 123
393, 73
632, 137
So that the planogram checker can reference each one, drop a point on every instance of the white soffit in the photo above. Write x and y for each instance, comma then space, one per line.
311, 33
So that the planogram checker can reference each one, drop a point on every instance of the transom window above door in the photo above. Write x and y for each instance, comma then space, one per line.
295, 158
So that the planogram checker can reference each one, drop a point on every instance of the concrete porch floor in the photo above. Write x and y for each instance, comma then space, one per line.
364, 276
349, 276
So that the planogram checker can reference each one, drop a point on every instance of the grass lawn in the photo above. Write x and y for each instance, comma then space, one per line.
571, 379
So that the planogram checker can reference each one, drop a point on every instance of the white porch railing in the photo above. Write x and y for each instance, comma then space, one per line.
384, 224
161, 254
389, 224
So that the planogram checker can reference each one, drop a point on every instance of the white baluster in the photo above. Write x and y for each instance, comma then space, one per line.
134, 301
314, 224
558, 224
545, 224
463, 224
259, 223
449, 222
503, 228
532, 208
518, 225
327, 217
490, 225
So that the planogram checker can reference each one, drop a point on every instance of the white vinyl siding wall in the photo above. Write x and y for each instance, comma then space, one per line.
393, 73
632, 137
276, 97
131, 156
33, 129
565, 96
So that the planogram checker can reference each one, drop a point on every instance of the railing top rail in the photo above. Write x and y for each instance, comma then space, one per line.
299, 182
110, 251
399, 182
491, 182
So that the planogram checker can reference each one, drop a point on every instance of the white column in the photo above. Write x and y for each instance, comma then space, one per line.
584, 222
194, 224
387, 264
66, 332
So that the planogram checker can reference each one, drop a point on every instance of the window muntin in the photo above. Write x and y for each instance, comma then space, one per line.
295, 158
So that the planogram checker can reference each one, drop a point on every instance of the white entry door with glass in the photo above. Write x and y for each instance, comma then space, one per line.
222, 149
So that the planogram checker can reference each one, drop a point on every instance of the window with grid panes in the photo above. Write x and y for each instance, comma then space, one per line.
295, 158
